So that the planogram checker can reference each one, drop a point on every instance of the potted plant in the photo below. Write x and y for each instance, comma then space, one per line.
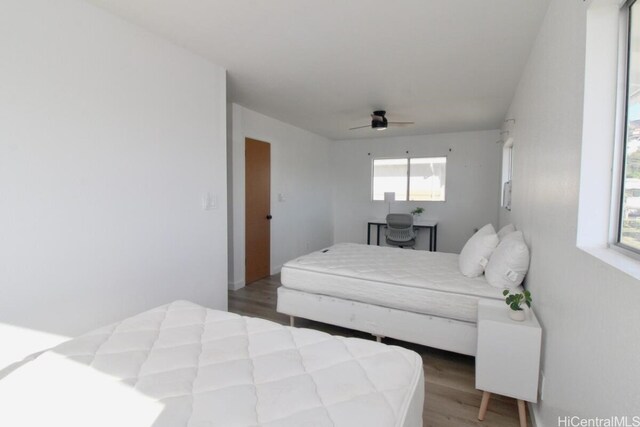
417, 211
515, 301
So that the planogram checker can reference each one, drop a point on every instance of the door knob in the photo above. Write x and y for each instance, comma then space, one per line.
269, 216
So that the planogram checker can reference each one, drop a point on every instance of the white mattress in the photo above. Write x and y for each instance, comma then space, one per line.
184, 365
417, 281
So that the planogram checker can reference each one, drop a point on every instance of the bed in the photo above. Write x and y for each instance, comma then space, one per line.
185, 365
415, 296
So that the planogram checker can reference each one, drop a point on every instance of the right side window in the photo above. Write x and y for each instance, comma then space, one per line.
507, 168
629, 213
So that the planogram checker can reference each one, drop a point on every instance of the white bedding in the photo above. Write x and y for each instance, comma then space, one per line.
184, 365
417, 281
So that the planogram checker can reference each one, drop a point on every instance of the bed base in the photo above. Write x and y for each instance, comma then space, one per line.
292, 323
438, 332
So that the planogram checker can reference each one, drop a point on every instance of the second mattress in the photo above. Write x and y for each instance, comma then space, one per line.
417, 281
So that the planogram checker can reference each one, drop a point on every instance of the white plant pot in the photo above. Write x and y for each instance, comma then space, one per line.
517, 315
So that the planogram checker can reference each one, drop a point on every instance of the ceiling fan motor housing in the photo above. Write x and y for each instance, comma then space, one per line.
379, 125
376, 123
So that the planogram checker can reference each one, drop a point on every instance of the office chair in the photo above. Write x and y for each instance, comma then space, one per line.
400, 231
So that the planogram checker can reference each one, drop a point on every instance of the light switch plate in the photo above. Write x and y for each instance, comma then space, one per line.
209, 202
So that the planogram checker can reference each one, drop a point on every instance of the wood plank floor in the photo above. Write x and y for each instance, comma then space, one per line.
450, 396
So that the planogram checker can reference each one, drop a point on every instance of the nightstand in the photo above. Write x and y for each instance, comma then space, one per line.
508, 356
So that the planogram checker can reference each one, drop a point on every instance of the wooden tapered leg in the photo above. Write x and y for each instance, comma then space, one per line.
522, 412
292, 321
484, 405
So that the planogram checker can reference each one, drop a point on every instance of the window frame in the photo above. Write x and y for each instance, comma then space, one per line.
625, 64
408, 177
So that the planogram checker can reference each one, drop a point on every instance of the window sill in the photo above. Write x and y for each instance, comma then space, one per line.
615, 259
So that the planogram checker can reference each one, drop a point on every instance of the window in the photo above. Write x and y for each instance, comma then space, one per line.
606, 221
507, 168
422, 179
629, 214
426, 179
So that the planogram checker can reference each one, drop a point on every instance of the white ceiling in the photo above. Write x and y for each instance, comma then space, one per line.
448, 65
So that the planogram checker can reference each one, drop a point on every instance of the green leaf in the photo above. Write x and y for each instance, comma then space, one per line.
505, 292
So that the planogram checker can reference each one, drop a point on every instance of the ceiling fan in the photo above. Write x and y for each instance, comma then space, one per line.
380, 122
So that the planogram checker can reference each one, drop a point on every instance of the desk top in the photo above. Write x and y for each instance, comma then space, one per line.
416, 222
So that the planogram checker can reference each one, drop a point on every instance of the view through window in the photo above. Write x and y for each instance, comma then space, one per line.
629, 230
421, 179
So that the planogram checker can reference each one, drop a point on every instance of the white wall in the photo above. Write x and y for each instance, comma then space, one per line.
588, 310
472, 185
301, 171
109, 137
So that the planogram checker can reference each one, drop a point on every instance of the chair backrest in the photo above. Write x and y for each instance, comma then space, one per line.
400, 229
399, 221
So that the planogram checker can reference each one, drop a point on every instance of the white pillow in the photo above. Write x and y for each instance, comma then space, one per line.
477, 251
509, 263
504, 231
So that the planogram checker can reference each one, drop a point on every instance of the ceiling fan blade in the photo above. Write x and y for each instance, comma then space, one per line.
401, 123
360, 127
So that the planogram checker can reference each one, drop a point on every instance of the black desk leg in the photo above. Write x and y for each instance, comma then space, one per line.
378, 234
368, 233
430, 239
435, 238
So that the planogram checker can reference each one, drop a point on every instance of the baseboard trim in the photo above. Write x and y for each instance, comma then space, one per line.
236, 285
533, 412
275, 269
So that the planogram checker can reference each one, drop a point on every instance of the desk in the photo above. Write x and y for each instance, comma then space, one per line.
430, 224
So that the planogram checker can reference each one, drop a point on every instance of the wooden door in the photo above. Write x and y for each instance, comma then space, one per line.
257, 209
